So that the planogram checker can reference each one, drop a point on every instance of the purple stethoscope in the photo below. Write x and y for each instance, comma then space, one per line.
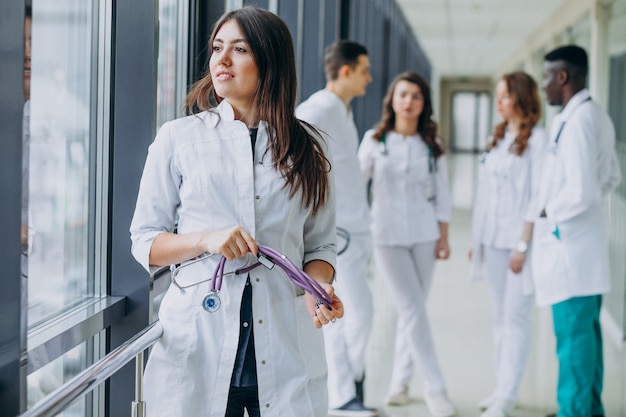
267, 257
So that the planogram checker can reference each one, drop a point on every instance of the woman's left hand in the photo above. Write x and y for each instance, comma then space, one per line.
443, 250
320, 313
516, 263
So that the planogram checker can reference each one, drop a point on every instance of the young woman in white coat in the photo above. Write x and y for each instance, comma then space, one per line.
240, 172
503, 216
411, 208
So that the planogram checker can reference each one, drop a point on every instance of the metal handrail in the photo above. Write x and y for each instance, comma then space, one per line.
90, 378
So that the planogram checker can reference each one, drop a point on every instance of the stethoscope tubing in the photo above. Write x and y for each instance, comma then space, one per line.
265, 255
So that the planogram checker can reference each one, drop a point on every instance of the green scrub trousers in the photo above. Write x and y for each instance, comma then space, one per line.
579, 350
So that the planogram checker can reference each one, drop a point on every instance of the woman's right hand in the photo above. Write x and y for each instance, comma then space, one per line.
232, 243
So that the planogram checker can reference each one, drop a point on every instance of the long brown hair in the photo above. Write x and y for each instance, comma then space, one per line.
426, 126
523, 90
297, 148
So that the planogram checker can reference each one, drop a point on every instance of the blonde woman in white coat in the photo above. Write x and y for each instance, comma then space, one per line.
504, 211
232, 174
411, 210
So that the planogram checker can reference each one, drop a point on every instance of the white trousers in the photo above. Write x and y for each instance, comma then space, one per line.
511, 322
408, 272
346, 339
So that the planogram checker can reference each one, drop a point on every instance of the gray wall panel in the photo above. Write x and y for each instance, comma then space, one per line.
11, 107
132, 130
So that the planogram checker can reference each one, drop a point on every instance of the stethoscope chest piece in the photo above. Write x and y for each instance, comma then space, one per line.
211, 302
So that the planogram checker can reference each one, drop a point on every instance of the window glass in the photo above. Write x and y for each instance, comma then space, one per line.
61, 128
172, 47
617, 28
171, 90
59, 371
470, 120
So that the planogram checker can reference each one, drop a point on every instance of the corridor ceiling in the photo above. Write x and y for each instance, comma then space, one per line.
472, 38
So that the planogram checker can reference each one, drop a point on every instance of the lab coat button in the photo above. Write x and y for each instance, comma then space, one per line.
258, 197
258, 279
267, 405
262, 362
260, 321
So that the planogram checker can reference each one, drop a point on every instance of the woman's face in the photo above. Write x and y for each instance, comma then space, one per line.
505, 104
234, 73
407, 101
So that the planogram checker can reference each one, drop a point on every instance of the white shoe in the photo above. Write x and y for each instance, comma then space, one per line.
484, 404
499, 408
439, 405
399, 397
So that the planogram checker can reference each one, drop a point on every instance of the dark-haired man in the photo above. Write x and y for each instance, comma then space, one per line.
570, 258
347, 69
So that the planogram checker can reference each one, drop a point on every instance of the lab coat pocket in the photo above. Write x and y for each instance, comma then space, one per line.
311, 342
549, 261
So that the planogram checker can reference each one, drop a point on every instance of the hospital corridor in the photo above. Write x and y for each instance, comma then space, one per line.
460, 315
142, 137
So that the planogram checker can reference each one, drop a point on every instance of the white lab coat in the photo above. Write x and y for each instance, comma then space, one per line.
409, 201
201, 168
505, 199
506, 195
346, 340
329, 113
580, 171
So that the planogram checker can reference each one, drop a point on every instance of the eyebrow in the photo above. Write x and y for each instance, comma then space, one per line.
238, 40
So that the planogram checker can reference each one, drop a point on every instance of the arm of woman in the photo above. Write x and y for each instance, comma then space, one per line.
154, 243
366, 155
443, 249
443, 207
518, 258
537, 144
171, 248
322, 272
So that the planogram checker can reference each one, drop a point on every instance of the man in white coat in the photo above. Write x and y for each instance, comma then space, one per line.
570, 258
347, 69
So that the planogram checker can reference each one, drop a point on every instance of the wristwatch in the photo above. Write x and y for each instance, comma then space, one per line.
521, 247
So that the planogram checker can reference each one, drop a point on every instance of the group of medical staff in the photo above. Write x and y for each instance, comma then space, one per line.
539, 232
540, 229
247, 168
402, 159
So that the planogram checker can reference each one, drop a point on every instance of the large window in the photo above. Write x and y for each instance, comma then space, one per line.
171, 80
63, 110
64, 131
470, 120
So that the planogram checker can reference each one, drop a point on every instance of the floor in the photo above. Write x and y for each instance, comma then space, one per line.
460, 315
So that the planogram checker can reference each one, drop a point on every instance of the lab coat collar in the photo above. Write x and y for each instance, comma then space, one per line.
573, 103
334, 98
226, 112
223, 111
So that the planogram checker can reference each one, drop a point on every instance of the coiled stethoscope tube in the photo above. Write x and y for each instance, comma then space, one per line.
267, 257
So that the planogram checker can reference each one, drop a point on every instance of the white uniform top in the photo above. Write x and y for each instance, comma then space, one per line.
506, 196
328, 112
581, 169
408, 201
201, 168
